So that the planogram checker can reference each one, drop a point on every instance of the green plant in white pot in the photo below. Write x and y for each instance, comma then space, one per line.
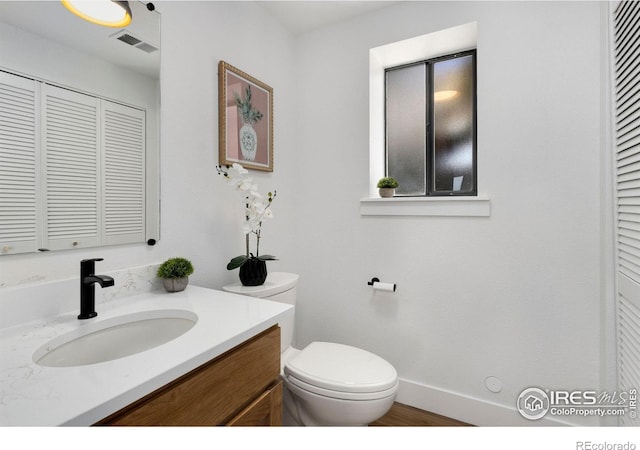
387, 186
175, 274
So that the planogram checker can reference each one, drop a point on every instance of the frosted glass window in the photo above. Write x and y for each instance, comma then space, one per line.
406, 119
453, 125
430, 126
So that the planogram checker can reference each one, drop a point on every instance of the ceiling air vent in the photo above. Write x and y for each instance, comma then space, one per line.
146, 47
128, 39
132, 40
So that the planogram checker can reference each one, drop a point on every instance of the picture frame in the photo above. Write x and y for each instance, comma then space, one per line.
245, 119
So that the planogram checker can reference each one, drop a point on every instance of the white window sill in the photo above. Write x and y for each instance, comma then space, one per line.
426, 206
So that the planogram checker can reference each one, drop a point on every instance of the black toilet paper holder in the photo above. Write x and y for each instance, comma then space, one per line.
374, 280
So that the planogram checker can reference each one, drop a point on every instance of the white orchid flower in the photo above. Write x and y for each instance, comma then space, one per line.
257, 208
252, 218
245, 184
236, 171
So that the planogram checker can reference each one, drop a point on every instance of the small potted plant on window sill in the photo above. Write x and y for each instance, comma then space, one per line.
387, 187
175, 274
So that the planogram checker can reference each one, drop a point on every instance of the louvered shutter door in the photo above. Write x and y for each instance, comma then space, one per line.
124, 173
70, 143
627, 135
18, 164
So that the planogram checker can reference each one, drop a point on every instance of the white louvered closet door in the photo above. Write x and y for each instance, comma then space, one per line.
18, 164
124, 173
71, 167
627, 140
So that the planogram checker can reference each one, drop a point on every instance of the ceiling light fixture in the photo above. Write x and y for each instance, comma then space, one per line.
108, 13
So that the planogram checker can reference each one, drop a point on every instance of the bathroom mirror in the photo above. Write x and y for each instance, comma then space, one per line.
42, 40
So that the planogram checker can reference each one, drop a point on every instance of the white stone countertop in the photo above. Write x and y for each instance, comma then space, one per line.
32, 395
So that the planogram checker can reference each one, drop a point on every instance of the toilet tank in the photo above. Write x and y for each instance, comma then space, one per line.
279, 287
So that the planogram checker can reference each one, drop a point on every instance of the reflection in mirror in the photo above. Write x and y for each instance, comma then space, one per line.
101, 12
42, 43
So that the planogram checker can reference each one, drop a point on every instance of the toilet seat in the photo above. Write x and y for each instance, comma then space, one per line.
342, 372
341, 395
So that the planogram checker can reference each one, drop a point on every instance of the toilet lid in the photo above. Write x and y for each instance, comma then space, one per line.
342, 368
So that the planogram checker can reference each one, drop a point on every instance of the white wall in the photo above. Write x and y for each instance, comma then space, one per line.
516, 295
201, 213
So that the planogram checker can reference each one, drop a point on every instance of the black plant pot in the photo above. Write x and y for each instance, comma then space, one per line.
253, 272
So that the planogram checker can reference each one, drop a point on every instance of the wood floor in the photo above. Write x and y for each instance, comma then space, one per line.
407, 416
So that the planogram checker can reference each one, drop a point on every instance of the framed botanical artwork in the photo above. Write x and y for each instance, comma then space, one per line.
246, 119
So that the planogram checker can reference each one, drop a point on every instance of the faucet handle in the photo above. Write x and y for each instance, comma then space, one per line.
88, 266
91, 260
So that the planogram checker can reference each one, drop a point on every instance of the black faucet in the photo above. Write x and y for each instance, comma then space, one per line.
87, 290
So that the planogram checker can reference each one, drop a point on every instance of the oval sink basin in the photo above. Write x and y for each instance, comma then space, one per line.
115, 338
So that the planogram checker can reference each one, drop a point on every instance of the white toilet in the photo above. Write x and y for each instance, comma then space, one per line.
325, 383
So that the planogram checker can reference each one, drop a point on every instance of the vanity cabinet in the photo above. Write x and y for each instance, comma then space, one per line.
240, 387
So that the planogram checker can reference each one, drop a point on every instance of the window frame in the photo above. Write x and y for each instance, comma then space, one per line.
429, 144
442, 42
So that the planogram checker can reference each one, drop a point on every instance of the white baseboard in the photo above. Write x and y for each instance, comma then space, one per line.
468, 409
